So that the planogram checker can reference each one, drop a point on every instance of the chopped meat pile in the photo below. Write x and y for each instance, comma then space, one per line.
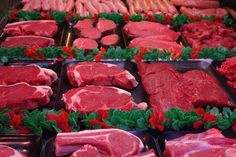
228, 70
209, 34
84, 8
152, 7
210, 143
100, 143
95, 73
168, 88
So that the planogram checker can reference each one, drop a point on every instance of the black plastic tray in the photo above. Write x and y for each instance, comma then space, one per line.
55, 66
170, 135
29, 145
48, 149
138, 92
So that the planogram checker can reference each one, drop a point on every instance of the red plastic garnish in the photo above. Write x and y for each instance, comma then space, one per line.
13, 14
126, 17
17, 123
139, 56
200, 111
45, 16
99, 56
209, 117
157, 118
197, 124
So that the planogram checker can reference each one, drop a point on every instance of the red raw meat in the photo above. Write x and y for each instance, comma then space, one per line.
146, 28
210, 143
197, 3
31, 74
87, 23
97, 73
93, 98
46, 28
30, 41
150, 153
6, 151
108, 142
105, 25
85, 44
87, 151
91, 33
110, 40
22, 96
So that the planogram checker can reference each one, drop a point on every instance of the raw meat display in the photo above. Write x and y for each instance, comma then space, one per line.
31, 74
46, 28
6, 151
168, 88
107, 142
30, 41
93, 98
48, 5
110, 40
197, 3
208, 144
151, 7
85, 43
209, 34
23, 96
105, 25
86, 7
96, 73
228, 70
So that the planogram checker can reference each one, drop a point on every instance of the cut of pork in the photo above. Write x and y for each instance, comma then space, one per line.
46, 28
93, 98
6, 151
110, 40
29, 41
87, 23
31, 74
91, 33
22, 96
85, 44
97, 73
105, 25
108, 142
210, 143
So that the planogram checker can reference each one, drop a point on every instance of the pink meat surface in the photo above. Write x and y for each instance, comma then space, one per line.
87, 23
210, 143
85, 43
91, 33
197, 3
30, 41
31, 74
105, 25
110, 40
46, 28
108, 142
88, 151
22, 96
6, 151
97, 73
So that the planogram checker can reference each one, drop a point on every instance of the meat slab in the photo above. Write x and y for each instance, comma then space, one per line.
210, 143
107, 142
110, 40
23, 96
29, 41
91, 33
105, 25
6, 151
82, 24
93, 98
96, 73
31, 74
46, 28
168, 88
85, 43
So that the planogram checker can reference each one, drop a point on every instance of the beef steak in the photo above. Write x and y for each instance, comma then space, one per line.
22, 96
110, 40
91, 33
31, 74
6, 151
85, 44
82, 24
108, 142
97, 73
93, 98
105, 25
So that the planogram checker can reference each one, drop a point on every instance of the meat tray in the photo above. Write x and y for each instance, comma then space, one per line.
55, 66
207, 67
169, 135
138, 93
48, 149
29, 145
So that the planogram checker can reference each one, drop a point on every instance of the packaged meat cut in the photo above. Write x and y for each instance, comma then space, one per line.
23, 96
168, 88
6, 151
46, 28
101, 142
96, 73
210, 143
31, 74
93, 98
29, 41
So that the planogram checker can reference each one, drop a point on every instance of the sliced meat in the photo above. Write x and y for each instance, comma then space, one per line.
110, 40
87, 23
105, 25
91, 33
87, 151
85, 44
197, 3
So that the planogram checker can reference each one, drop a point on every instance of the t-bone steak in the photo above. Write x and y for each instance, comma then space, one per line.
108, 142
96, 73
31, 74
210, 143
46, 28
22, 96
6, 151
93, 98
